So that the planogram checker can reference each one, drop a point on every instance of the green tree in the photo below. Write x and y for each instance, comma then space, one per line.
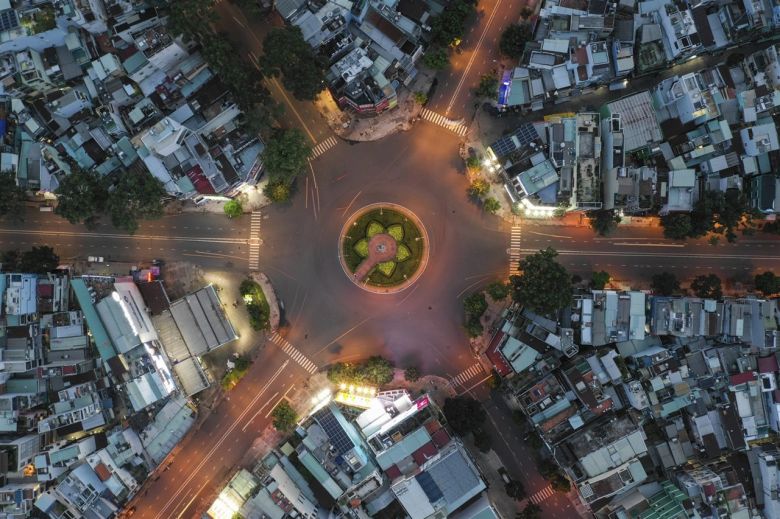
544, 286
498, 290
599, 280
513, 40
665, 284
277, 190
233, 208
11, 260
259, 118
603, 221
531, 511
475, 304
767, 283
136, 195
677, 226
81, 197
286, 53
284, 417
412, 374
450, 26
191, 18
238, 75
286, 155
488, 86
11, 196
515, 490
482, 440
464, 414
491, 205
39, 260
250, 7
377, 371
707, 286
420, 97
478, 188
560, 483
474, 327
436, 58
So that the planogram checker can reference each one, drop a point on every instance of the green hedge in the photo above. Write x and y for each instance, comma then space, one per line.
258, 310
412, 239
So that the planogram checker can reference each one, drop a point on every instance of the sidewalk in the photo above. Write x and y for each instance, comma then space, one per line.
251, 198
352, 127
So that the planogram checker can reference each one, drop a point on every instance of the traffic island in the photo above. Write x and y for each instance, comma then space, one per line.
383, 248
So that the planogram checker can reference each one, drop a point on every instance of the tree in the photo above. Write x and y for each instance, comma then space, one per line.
560, 483
531, 511
482, 440
513, 40
11, 261
286, 155
241, 78
412, 374
707, 286
191, 18
233, 209
677, 226
136, 195
286, 53
515, 490
474, 327
436, 58
81, 197
475, 304
665, 283
599, 280
488, 86
498, 290
420, 97
377, 371
491, 205
449, 27
11, 196
284, 417
277, 190
767, 283
478, 188
544, 286
603, 221
38, 260
464, 414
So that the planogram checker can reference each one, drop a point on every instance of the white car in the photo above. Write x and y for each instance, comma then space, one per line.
95, 259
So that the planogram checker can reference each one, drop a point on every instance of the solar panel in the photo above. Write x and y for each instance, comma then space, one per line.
429, 486
8, 20
525, 134
336, 434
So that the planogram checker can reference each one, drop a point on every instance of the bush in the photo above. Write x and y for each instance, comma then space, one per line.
478, 188
498, 290
491, 205
278, 190
256, 305
464, 414
402, 253
473, 164
233, 209
411, 374
373, 229
421, 97
232, 377
396, 231
475, 304
599, 280
375, 371
767, 283
474, 327
515, 490
361, 247
284, 417
387, 268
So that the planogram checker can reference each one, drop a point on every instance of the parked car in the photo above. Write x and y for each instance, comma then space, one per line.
95, 259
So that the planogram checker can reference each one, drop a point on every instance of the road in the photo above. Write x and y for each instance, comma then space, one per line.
478, 55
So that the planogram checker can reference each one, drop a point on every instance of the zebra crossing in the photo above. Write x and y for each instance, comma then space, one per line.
515, 240
456, 127
467, 374
254, 240
322, 147
542, 495
293, 352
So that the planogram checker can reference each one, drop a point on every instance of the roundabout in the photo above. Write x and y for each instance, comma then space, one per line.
383, 248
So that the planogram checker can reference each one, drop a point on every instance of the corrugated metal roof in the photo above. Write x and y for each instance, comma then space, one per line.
99, 334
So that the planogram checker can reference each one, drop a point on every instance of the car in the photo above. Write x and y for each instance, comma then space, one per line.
504, 475
95, 259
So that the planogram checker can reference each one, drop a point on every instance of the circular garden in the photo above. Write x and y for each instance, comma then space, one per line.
384, 248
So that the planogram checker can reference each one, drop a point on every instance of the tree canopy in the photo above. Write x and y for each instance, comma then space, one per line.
236, 74
450, 26
38, 260
286, 53
715, 211
136, 195
491, 205
284, 417
707, 286
81, 197
233, 209
11, 196
286, 154
488, 86
603, 221
277, 190
191, 18
665, 283
376, 371
513, 40
478, 188
436, 58
531, 511
498, 290
767, 283
599, 280
464, 414
544, 285
677, 226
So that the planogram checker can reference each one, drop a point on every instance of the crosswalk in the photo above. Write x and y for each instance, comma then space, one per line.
322, 147
467, 374
293, 352
254, 240
454, 126
515, 241
542, 495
